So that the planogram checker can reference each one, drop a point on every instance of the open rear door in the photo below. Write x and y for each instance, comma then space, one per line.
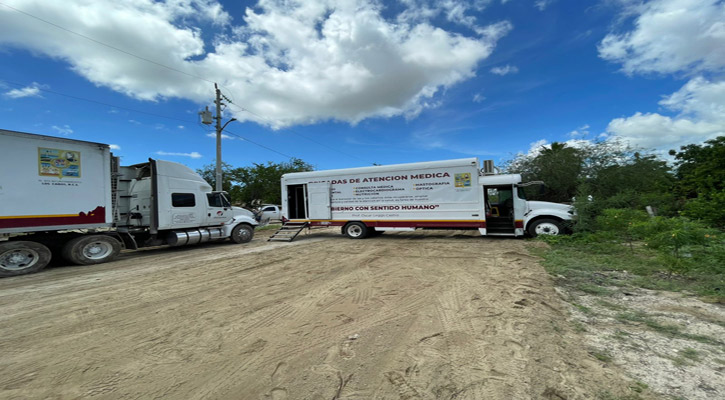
318, 200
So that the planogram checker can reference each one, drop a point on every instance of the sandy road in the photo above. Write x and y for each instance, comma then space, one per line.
429, 315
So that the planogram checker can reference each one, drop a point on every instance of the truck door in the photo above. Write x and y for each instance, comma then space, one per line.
218, 210
318, 200
500, 209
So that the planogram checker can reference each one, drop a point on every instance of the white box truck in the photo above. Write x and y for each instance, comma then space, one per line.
451, 194
71, 198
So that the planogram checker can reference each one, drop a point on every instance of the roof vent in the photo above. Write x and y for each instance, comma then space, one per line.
488, 168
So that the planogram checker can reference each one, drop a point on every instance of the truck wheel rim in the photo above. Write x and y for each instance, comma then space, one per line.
15, 260
243, 234
97, 250
547, 229
354, 230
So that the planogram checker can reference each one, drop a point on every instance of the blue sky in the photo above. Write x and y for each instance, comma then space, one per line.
349, 83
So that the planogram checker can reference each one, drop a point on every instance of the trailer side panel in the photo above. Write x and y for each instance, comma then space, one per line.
51, 183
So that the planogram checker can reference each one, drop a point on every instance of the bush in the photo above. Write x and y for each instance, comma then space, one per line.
619, 224
683, 244
708, 208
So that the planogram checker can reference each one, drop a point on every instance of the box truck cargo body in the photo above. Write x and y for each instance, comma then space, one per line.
72, 198
451, 194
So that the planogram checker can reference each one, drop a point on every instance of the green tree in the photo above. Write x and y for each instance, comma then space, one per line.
559, 166
208, 172
257, 184
599, 175
701, 180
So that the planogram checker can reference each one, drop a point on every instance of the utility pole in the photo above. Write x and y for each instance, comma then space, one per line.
219, 128
206, 120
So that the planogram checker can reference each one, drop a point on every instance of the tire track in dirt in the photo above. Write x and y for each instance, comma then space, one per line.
417, 315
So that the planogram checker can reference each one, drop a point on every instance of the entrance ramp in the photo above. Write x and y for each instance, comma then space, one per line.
288, 232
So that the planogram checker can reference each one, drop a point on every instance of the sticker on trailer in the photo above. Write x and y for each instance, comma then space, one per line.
59, 163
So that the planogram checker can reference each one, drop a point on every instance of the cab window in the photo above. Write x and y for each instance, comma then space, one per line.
183, 200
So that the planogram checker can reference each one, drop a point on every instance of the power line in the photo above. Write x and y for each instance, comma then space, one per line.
255, 143
105, 44
171, 69
300, 135
97, 102
142, 112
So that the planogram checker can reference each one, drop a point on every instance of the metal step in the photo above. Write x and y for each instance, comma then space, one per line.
288, 232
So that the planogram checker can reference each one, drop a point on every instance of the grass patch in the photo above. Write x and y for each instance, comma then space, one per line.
669, 330
686, 357
610, 305
601, 356
583, 309
578, 327
621, 335
597, 266
269, 227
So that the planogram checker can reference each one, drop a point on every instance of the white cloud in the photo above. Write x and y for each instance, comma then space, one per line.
193, 154
699, 98
542, 4
64, 130
670, 36
653, 130
114, 147
291, 62
580, 132
505, 70
682, 37
29, 91
478, 97
700, 108
224, 136
181, 127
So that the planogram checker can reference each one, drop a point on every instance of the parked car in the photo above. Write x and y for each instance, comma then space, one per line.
267, 213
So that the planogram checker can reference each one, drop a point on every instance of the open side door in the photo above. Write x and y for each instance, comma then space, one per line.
318, 200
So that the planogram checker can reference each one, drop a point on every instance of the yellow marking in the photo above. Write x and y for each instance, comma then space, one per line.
38, 216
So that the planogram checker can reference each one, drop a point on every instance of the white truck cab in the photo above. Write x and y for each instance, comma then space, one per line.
507, 208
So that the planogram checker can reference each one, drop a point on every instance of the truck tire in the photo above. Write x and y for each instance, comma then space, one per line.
356, 230
545, 226
242, 233
89, 250
22, 257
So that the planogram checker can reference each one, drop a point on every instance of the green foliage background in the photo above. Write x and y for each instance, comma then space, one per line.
256, 184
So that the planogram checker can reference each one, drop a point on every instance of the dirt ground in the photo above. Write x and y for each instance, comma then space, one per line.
423, 315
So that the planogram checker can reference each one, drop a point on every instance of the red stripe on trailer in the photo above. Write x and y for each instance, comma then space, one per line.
97, 216
406, 224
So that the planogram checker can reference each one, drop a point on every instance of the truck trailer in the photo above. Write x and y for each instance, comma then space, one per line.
450, 194
71, 198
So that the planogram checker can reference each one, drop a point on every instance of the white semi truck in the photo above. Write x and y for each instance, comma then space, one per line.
451, 194
70, 198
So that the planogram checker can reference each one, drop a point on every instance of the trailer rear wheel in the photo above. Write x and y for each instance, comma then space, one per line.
89, 250
356, 230
22, 257
242, 233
